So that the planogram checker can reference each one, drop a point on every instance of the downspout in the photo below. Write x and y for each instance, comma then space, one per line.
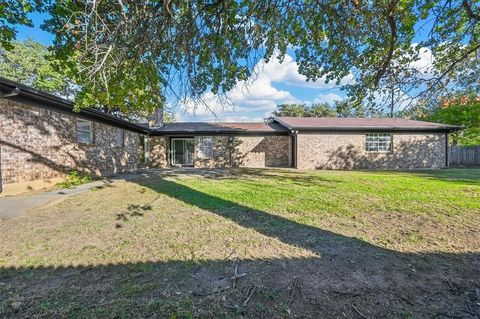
14, 92
446, 150
294, 136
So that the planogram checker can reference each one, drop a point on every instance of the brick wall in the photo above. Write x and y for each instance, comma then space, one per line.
158, 147
40, 144
263, 151
347, 151
236, 151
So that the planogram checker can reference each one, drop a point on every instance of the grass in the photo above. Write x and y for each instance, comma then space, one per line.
388, 243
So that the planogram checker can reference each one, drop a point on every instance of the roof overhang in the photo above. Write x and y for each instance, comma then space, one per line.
404, 129
217, 133
28, 95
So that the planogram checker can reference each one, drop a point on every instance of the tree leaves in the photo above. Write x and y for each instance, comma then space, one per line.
125, 52
30, 62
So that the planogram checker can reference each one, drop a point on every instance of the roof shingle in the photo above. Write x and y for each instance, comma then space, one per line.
220, 127
326, 123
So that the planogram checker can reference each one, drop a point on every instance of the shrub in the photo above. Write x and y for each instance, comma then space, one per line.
74, 179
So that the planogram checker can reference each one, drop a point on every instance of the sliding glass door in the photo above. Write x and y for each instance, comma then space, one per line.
181, 151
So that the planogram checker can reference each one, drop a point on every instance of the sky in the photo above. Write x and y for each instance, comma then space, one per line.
275, 83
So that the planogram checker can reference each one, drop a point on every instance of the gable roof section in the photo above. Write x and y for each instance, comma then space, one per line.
361, 124
25, 94
212, 128
279, 126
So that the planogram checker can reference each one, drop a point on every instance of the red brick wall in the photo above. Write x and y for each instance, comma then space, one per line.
39, 144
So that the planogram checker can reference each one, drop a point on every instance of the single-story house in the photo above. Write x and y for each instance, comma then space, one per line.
41, 136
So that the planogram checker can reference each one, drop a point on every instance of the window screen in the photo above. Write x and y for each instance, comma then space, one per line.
378, 142
205, 147
84, 131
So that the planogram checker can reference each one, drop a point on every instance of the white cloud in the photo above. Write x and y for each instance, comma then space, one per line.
329, 98
424, 63
257, 97
287, 72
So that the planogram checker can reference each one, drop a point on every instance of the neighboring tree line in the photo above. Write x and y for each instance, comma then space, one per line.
462, 110
338, 109
30, 63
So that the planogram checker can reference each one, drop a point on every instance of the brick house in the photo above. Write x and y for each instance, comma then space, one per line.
41, 136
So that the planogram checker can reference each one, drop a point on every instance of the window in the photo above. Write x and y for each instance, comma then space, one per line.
84, 132
378, 142
205, 147
120, 137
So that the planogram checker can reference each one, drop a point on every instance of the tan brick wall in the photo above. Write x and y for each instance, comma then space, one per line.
40, 144
347, 151
222, 153
158, 147
263, 151
236, 151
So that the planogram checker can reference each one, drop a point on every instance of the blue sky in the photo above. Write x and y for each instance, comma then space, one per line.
275, 84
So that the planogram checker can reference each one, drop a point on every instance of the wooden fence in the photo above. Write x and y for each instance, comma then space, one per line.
464, 155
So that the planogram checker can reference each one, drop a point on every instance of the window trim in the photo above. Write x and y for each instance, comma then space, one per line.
201, 153
90, 131
390, 149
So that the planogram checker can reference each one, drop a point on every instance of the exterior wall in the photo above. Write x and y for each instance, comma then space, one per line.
222, 152
347, 151
263, 151
158, 151
230, 151
41, 144
247, 151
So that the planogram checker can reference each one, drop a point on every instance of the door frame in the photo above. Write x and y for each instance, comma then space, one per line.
172, 148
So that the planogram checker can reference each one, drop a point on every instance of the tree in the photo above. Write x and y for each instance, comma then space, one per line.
14, 12
321, 110
314, 110
463, 111
346, 108
31, 63
293, 110
135, 53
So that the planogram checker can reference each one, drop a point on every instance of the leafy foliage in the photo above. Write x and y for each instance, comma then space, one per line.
74, 179
463, 111
139, 52
132, 54
343, 108
14, 12
31, 63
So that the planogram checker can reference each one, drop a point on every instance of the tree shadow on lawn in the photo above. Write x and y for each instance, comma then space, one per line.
347, 277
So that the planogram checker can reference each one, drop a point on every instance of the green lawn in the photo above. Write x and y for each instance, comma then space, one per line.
341, 244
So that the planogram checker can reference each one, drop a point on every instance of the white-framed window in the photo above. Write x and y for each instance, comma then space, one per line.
378, 142
120, 137
205, 145
84, 131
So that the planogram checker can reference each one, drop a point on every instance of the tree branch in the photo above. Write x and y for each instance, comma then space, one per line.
470, 12
456, 62
391, 46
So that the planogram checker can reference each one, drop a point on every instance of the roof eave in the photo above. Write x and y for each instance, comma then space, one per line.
44, 100
376, 129
216, 133
427, 129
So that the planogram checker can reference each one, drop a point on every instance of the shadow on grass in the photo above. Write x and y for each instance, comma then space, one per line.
347, 278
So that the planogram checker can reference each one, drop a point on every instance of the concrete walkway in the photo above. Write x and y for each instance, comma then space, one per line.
13, 206
18, 205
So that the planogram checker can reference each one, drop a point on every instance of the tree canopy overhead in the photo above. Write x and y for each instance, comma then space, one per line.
135, 53
30, 62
